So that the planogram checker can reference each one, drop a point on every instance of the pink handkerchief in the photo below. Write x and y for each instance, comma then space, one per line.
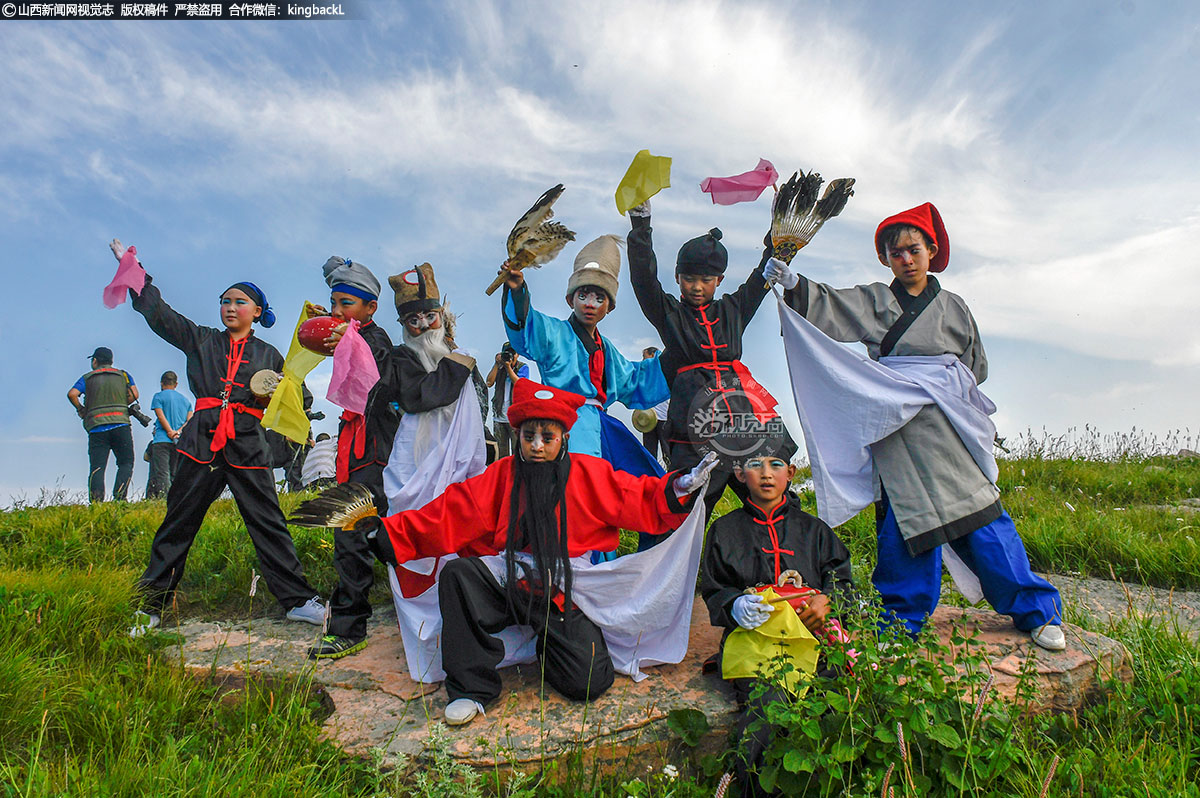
130, 274
745, 187
354, 372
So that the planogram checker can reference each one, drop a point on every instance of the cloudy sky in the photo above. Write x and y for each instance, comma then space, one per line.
1058, 140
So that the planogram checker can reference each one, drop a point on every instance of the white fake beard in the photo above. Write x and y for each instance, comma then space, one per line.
430, 346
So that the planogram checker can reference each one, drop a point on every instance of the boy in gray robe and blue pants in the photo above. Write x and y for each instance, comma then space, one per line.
931, 490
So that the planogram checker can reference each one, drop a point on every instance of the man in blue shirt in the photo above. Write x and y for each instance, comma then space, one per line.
171, 411
106, 394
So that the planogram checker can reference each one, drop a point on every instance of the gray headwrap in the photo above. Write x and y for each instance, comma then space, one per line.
348, 274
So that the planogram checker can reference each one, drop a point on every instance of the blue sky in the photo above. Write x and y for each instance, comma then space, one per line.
1058, 140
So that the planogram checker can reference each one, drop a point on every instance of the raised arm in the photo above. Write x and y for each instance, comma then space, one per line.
844, 314
643, 268
533, 334
750, 293
463, 519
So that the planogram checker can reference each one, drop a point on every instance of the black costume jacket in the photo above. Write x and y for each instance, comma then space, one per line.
709, 336
417, 390
741, 554
207, 350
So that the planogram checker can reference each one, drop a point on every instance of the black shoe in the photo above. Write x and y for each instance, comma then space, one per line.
336, 647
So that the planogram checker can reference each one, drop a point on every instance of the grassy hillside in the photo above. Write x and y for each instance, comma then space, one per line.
84, 710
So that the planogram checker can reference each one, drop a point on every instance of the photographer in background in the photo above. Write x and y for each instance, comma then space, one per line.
504, 374
109, 398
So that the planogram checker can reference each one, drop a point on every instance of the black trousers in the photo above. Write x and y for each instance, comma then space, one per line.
119, 441
164, 462
194, 490
570, 647
354, 562
656, 438
754, 734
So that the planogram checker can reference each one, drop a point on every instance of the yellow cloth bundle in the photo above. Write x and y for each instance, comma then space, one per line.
285, 412
747, 650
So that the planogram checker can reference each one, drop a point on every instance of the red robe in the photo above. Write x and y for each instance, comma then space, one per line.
471, 517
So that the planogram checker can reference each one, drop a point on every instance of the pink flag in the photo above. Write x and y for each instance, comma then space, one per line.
130, 274
354, 372
745, 187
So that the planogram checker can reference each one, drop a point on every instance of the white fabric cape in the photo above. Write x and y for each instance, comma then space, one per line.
846, 402
432, 450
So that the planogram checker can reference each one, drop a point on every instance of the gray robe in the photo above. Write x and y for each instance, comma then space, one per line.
934, 486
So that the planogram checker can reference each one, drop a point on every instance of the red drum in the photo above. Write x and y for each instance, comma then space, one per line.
313, 332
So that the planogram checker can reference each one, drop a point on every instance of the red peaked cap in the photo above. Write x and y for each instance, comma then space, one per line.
927, 219
533, 400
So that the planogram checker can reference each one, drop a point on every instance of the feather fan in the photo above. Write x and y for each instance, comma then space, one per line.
534, 240
341, 506
797, 214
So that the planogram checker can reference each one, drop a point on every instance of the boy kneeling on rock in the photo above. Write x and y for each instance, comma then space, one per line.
521, 528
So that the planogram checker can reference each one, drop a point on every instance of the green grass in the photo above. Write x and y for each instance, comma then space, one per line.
84, 710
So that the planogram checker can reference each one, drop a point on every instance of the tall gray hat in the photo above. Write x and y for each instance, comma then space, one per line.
343, 271
598, 264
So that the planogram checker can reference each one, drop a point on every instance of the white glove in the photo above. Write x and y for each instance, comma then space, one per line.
694, 478
118, 249
642, 210
776, 271
750, 611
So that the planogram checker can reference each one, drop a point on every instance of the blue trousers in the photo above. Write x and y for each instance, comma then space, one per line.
911, 586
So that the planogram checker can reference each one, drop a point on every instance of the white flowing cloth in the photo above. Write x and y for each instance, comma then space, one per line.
432, 450
642, 602
847, 402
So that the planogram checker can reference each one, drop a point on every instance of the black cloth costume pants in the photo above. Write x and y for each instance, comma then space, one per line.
354, 562
193, 491
571, 648
119, 441
753, 742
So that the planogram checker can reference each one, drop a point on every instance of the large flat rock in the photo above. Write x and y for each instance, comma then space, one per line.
377, 706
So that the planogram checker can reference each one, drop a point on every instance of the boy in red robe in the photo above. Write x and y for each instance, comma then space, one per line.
541, 509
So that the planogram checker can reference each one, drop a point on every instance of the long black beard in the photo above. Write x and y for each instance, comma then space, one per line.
538, 521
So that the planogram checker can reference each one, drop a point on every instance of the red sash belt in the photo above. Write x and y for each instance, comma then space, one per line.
224, 431
352, 438
761, 401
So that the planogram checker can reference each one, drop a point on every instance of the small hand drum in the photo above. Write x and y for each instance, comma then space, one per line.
264, 382
791, 588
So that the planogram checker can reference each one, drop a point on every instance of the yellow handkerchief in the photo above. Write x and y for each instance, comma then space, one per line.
747, 650
647, 175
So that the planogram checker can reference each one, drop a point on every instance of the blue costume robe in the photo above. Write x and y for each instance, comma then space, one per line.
562, 350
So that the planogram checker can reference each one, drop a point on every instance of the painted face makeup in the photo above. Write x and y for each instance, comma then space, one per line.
541, 443
418, 323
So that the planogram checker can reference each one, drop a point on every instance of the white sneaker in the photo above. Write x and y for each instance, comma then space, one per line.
1049, 637
143, 622
461, 711
311, 611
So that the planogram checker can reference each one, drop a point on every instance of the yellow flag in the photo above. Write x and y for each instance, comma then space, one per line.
747, 650
647, 175
285, 413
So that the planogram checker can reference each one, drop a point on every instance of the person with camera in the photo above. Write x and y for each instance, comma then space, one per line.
504, 375
105, 398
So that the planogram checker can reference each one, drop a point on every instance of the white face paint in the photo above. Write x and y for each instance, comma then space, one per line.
541, 442
418, 323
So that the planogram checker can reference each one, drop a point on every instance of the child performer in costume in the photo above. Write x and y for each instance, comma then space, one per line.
222, 446
573, 356
542, 509
428, 377
715, 403
364, 439
769, 538
936, 476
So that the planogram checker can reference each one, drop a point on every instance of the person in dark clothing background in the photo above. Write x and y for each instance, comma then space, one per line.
102, 398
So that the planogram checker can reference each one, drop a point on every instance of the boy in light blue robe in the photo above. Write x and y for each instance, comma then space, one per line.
572, 356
